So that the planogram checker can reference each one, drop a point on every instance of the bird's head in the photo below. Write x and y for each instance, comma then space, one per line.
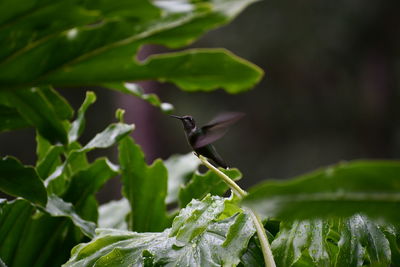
187, 121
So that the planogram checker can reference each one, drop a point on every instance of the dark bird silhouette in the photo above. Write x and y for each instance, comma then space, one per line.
201, 138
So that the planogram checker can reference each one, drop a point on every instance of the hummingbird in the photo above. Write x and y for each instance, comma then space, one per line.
201, 138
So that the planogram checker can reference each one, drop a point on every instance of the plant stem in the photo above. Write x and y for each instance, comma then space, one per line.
232, 185
265, 247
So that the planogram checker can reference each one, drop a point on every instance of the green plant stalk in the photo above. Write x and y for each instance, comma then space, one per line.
232, 185
265, 246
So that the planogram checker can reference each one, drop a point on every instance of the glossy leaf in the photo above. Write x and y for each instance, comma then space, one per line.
48, 164
361, 243
32, 31
180, 169
87, 182
59, 208
109, 136
202, 184
136, 90
227, 70
145, 187
96, 43
33, 238
76, 159
114, 214
194, 219
78, 125
253, 255
21, 181
12, 222
392, 234
302, 243
42, 108
369, 187
195, 239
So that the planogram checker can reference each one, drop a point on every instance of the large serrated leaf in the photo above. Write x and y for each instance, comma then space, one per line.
392, 233
27, 20
96, 43
21, 181
362, 243
302, 243
202, 184
144, 186
369, 187
219, 243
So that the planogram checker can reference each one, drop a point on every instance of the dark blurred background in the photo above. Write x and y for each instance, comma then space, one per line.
330, 92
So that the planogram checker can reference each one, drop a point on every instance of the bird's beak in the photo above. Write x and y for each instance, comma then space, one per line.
176, 117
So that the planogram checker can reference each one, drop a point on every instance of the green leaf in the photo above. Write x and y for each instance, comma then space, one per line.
78, 125
144, 186
59, 104
21, 181
369, 187
195, 218
59, 208
202, 184
219, 243
48, 164
392, 233
10, 119
27, 20
97, 43
42, 108
87, 182
30, 237
42, 147
361, 243
114, 214
12, 223
231, 207
180, 169
302, 243
109, 136
253, 255
76, 159
136, 90
203, 70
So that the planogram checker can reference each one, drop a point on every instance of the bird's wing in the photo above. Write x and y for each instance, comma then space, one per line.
216, 128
